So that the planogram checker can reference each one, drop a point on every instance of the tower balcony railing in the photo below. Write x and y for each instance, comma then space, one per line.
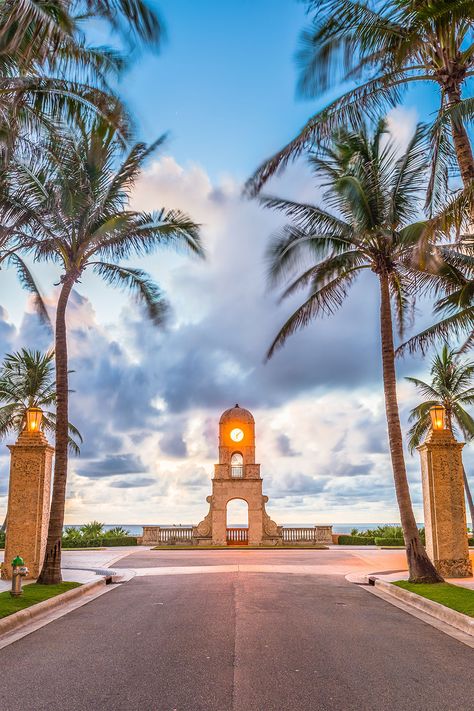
237, 472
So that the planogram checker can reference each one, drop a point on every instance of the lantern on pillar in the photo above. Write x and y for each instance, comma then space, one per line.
438, 417
34, 415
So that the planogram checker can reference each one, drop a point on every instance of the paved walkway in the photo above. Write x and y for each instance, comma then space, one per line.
246, 631
81, 566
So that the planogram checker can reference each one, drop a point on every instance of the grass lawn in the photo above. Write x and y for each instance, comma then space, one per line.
32, 594
453, 596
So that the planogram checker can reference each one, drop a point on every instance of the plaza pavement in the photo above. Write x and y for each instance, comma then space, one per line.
238, 630
82, 566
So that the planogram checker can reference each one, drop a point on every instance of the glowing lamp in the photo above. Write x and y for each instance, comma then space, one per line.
438, 417
34, 415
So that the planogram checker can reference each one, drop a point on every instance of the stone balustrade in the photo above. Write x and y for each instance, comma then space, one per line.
156, 535
175, 535
307, 536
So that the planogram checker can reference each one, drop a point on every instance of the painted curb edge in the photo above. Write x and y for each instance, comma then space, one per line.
435, 609
17, 619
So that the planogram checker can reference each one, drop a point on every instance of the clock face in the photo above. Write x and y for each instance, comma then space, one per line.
237, 435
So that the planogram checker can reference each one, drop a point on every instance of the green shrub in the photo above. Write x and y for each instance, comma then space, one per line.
471, 541
355, 541
116, 532
72, 534
103, 542
2, 539
389, 541
94, 529
387, 531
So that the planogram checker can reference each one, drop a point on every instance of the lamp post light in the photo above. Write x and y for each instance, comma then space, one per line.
438, 417
28, 498
443, 498
34, 415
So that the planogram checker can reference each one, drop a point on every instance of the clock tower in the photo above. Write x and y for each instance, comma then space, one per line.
237, 476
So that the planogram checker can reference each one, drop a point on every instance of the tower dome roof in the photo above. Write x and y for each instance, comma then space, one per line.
237, 413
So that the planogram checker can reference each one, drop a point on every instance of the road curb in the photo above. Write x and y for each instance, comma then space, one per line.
18, 619
435, 609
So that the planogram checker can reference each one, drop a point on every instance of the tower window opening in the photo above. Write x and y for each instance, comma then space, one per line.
237, 466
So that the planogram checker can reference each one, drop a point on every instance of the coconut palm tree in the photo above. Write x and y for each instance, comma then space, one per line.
48, 74
374, 196
27, 380
384, 48
79, 218
452, 385
47, 71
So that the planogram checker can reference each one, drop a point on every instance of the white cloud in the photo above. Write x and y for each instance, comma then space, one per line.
148, 402
401, 122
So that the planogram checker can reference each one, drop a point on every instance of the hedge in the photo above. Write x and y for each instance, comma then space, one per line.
99, 542
389, 542
355, 541
470, 541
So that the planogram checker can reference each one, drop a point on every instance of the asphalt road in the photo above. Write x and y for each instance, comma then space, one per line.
236, 642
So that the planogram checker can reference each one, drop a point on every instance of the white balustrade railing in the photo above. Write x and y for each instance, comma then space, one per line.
156, 535
237, 536
175, 535
294, 535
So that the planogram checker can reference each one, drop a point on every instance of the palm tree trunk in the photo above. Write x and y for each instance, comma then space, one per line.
51, 570
467, 490
420, 568
462, 144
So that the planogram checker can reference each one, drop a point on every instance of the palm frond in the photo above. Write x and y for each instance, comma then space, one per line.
140, 284
28, 282
351, 110
324, 300
455, 325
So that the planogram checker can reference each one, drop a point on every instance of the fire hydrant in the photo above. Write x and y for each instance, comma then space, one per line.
19, 571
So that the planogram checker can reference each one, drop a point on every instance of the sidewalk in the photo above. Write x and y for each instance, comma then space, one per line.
83, 566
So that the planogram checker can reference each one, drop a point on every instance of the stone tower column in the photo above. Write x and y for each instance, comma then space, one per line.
443, 503
237, 476
28, 502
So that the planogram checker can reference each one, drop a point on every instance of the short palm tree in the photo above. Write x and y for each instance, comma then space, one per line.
374, 196
94, 529
79, 218
452, 385
384, 48
27, 380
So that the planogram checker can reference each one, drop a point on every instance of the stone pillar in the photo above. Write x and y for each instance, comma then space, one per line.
28, 502
443, 503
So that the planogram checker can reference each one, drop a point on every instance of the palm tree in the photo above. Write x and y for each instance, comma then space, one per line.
384, 48
374, 196
47, 71
80, 219
94, 529
27, 380
451, 386
47, 75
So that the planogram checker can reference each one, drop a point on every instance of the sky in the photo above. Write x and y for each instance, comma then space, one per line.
148, 401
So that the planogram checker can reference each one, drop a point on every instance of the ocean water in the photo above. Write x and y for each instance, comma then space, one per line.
137, 530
